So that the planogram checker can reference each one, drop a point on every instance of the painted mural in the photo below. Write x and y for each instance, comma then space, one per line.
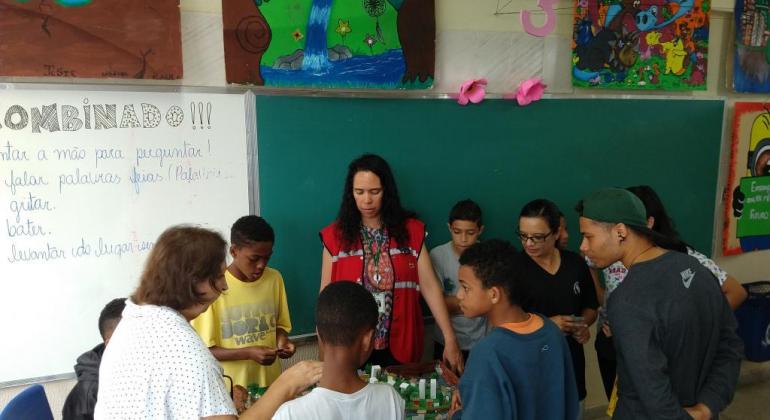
138, 39
633, 44
751, 63
384, 44
747, 208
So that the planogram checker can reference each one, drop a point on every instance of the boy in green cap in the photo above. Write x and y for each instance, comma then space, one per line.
678, 353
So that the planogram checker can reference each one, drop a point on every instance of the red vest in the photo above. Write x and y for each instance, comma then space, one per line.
406, 328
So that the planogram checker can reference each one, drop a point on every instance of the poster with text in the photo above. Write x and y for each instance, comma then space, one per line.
751, 63
645, 45
747, 205
129, 39
380, 44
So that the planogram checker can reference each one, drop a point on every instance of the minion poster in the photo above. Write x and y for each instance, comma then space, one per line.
747, 208
384, 44
647, 44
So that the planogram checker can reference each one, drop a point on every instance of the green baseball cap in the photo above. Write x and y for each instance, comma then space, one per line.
615, 205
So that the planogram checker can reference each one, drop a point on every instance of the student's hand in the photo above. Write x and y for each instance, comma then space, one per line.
456, 404
606, 329
699, 411
286, 348
299, 377
564, 322
263, 355
581, 335
453, 357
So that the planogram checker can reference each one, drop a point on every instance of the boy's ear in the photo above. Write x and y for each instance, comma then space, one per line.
621, 231
234, 250
318, 336
367, 342
449, 227
481, 229
494, 294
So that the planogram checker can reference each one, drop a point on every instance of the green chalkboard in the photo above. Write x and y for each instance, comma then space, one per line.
495, 153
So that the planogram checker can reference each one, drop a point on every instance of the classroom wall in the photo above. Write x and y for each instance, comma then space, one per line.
472, 42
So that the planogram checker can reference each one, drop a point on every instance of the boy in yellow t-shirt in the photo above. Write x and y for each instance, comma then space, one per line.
247, 327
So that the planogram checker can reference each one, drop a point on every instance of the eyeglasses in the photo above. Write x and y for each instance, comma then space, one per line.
537, 238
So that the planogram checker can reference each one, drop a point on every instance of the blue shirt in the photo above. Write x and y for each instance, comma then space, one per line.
520, 376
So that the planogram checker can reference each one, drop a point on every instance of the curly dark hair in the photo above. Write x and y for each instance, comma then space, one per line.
466, 210
392, 214
111, 315
250, 229
344, 310
496, 263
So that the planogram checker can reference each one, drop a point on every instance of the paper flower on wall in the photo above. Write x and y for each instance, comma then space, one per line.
472, 91
528, 91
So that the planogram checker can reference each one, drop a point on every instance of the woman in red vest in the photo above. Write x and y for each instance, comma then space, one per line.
376, 242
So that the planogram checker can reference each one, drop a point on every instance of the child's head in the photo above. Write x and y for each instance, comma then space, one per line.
346, 316
109, 318
251, 245
488, 276
465, 224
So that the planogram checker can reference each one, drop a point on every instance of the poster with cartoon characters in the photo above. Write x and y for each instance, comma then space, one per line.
747, 208
382, 44
751, 63
633, 44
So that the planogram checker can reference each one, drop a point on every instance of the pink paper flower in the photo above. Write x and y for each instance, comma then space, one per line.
528, 91
472, 91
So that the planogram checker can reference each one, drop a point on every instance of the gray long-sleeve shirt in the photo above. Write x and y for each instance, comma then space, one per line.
675, 339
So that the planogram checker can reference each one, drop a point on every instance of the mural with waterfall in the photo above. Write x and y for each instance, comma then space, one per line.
379, 44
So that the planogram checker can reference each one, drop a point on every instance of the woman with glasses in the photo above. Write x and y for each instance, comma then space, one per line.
379, 244
556, 282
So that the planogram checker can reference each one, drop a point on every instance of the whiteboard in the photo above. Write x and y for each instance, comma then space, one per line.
88, 180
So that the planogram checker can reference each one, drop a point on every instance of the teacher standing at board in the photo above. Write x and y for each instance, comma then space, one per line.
377, 243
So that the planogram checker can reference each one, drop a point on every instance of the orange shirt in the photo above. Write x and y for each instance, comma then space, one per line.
532, 324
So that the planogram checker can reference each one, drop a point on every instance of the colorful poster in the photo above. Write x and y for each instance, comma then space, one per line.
382, 44
135, 39
751, 64
647, 44
747, 207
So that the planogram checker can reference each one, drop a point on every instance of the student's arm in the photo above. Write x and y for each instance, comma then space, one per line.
283, 323
589, 304
286, 348
731, 288
718, 388
485, 391
434, 297
452, 304
326, 268
291, 382
734, 292
638, 345
260, 354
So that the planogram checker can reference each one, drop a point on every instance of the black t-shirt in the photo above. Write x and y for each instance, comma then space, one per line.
568, 292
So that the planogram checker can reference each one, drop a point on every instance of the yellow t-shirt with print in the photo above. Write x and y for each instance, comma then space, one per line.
247, 314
